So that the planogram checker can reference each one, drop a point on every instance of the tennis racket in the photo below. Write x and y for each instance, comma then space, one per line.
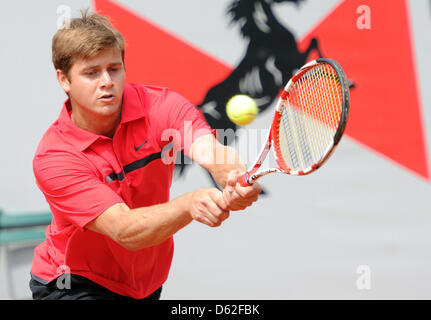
309, 121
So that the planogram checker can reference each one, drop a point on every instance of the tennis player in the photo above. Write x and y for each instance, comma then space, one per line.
102, 170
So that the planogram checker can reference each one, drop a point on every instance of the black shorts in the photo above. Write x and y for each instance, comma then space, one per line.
80, 289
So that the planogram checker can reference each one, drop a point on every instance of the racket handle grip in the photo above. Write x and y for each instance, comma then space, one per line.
243, 180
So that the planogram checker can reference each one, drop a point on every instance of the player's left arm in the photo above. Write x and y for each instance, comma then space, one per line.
225, 166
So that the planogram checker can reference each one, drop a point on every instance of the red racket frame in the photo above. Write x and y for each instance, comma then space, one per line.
255, 172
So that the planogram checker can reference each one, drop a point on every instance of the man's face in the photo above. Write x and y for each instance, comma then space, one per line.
95, 85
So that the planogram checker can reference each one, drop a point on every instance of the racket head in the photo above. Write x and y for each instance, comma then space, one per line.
310, 117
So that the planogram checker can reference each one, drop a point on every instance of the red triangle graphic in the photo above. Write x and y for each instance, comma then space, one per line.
385, 109
154, 56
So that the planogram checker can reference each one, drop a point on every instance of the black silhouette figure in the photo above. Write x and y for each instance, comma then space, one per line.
271, 58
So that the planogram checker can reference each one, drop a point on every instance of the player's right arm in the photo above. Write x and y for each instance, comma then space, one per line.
75, 193
138, 228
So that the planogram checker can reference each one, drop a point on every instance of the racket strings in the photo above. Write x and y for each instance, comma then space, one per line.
311, 117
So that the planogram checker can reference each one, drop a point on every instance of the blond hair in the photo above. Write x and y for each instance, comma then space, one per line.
83, 38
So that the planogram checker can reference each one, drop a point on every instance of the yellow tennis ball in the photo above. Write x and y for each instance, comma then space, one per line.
241, 109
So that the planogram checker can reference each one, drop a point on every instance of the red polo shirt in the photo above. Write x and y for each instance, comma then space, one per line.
82, 174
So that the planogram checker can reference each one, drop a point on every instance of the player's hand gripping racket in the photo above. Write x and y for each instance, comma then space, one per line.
309, 120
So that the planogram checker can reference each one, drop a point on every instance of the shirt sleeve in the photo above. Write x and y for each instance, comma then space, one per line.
71, 187
184, 118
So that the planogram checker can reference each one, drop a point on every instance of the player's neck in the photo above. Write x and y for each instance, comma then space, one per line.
104, 125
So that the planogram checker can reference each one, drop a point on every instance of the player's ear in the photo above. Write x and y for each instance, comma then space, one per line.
63, 80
